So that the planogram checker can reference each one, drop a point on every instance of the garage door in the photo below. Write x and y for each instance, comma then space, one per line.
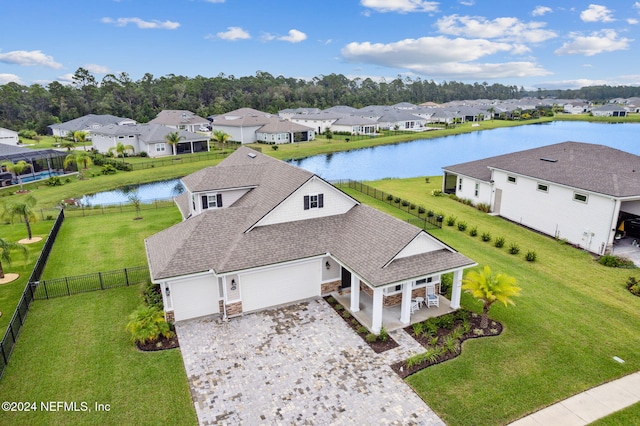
194, 298
279, 286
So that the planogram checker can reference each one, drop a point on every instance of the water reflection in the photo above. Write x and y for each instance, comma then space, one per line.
147, 193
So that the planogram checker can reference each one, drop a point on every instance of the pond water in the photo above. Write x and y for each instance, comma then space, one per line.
423, 157
426, 157
147, 192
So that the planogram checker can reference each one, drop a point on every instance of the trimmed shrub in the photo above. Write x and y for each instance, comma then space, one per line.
531, 256
371, 338
613, 261
108, 169
462, 226
484, 207
384, 335
451, 220
499, 242
633, 286
389, 197
473, 231
485, 236
396, 200
421, 210
514, 248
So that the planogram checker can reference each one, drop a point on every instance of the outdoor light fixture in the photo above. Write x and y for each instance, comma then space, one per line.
233, 285
327, 265
167, 291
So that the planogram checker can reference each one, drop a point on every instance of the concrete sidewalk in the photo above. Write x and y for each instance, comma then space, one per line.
588, 406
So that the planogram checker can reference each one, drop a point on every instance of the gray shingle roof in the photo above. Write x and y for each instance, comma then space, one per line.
85, 122
364, 239
149, 133
591, 167
176, 117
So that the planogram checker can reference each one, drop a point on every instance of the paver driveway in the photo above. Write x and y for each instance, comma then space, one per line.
298, 364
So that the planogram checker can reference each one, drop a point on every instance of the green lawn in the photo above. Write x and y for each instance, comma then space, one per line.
626, 417
573, 316
76, 349
10, 293
105, 242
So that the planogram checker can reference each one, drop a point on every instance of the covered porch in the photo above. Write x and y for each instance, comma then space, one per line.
390, 314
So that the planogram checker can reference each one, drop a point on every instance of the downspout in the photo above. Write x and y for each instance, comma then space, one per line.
224, 299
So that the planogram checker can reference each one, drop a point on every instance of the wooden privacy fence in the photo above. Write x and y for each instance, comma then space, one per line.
66, 286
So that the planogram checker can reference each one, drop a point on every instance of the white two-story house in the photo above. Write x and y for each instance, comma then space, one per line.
258, 233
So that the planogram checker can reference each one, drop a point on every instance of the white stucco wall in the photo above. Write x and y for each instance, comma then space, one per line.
103, 142
292, 209
468, 190
556, 213
8, 137
239, 134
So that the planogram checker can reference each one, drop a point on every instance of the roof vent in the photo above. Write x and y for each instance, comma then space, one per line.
550, 160
251, 155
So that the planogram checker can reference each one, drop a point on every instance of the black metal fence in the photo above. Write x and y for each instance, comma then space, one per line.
181, 159
425, 218
20, 314
58, 287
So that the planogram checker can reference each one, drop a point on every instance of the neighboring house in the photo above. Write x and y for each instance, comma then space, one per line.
609, 111
258, 233
87, 123
150, 138
575, 191
43, 162
181, 120
247, 125
8, 137
356, 125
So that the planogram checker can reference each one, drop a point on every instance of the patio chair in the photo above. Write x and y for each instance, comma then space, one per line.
432, 297
414, 306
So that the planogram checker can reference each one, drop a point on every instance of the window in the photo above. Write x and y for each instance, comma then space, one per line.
161, 147
131, 136
314, 201
211, 201
477, 189
542, 187
459, 184
580, 197
511, 179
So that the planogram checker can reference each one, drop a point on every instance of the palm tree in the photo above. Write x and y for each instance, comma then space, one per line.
17, 169
77, 158
22, 209
80, 136
121, 149
490, 288
5, 253
173, 138
220, 136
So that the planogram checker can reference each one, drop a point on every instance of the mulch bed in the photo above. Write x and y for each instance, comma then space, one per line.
494, 329
162, 344
377, 346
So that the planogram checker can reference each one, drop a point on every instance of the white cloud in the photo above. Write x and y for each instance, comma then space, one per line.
214, 1
294, 36
504, 29
441, 56
144, 25
233, 33
31, 58
632, 21
66, 78
541, 10
96, 69
623, 80
9, 78
593, 44
637, 5
596, 13
467, 3
400, 6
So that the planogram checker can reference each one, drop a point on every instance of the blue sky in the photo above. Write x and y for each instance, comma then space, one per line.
559, 44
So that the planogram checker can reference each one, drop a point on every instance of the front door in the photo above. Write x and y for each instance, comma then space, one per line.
346, 278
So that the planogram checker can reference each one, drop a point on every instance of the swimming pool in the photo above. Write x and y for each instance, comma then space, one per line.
31, 177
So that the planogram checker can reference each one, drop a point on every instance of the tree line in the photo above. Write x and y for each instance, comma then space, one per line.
35, 107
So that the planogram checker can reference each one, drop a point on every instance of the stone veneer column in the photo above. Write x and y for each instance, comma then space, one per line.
355, 293
376, 318
456, 289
